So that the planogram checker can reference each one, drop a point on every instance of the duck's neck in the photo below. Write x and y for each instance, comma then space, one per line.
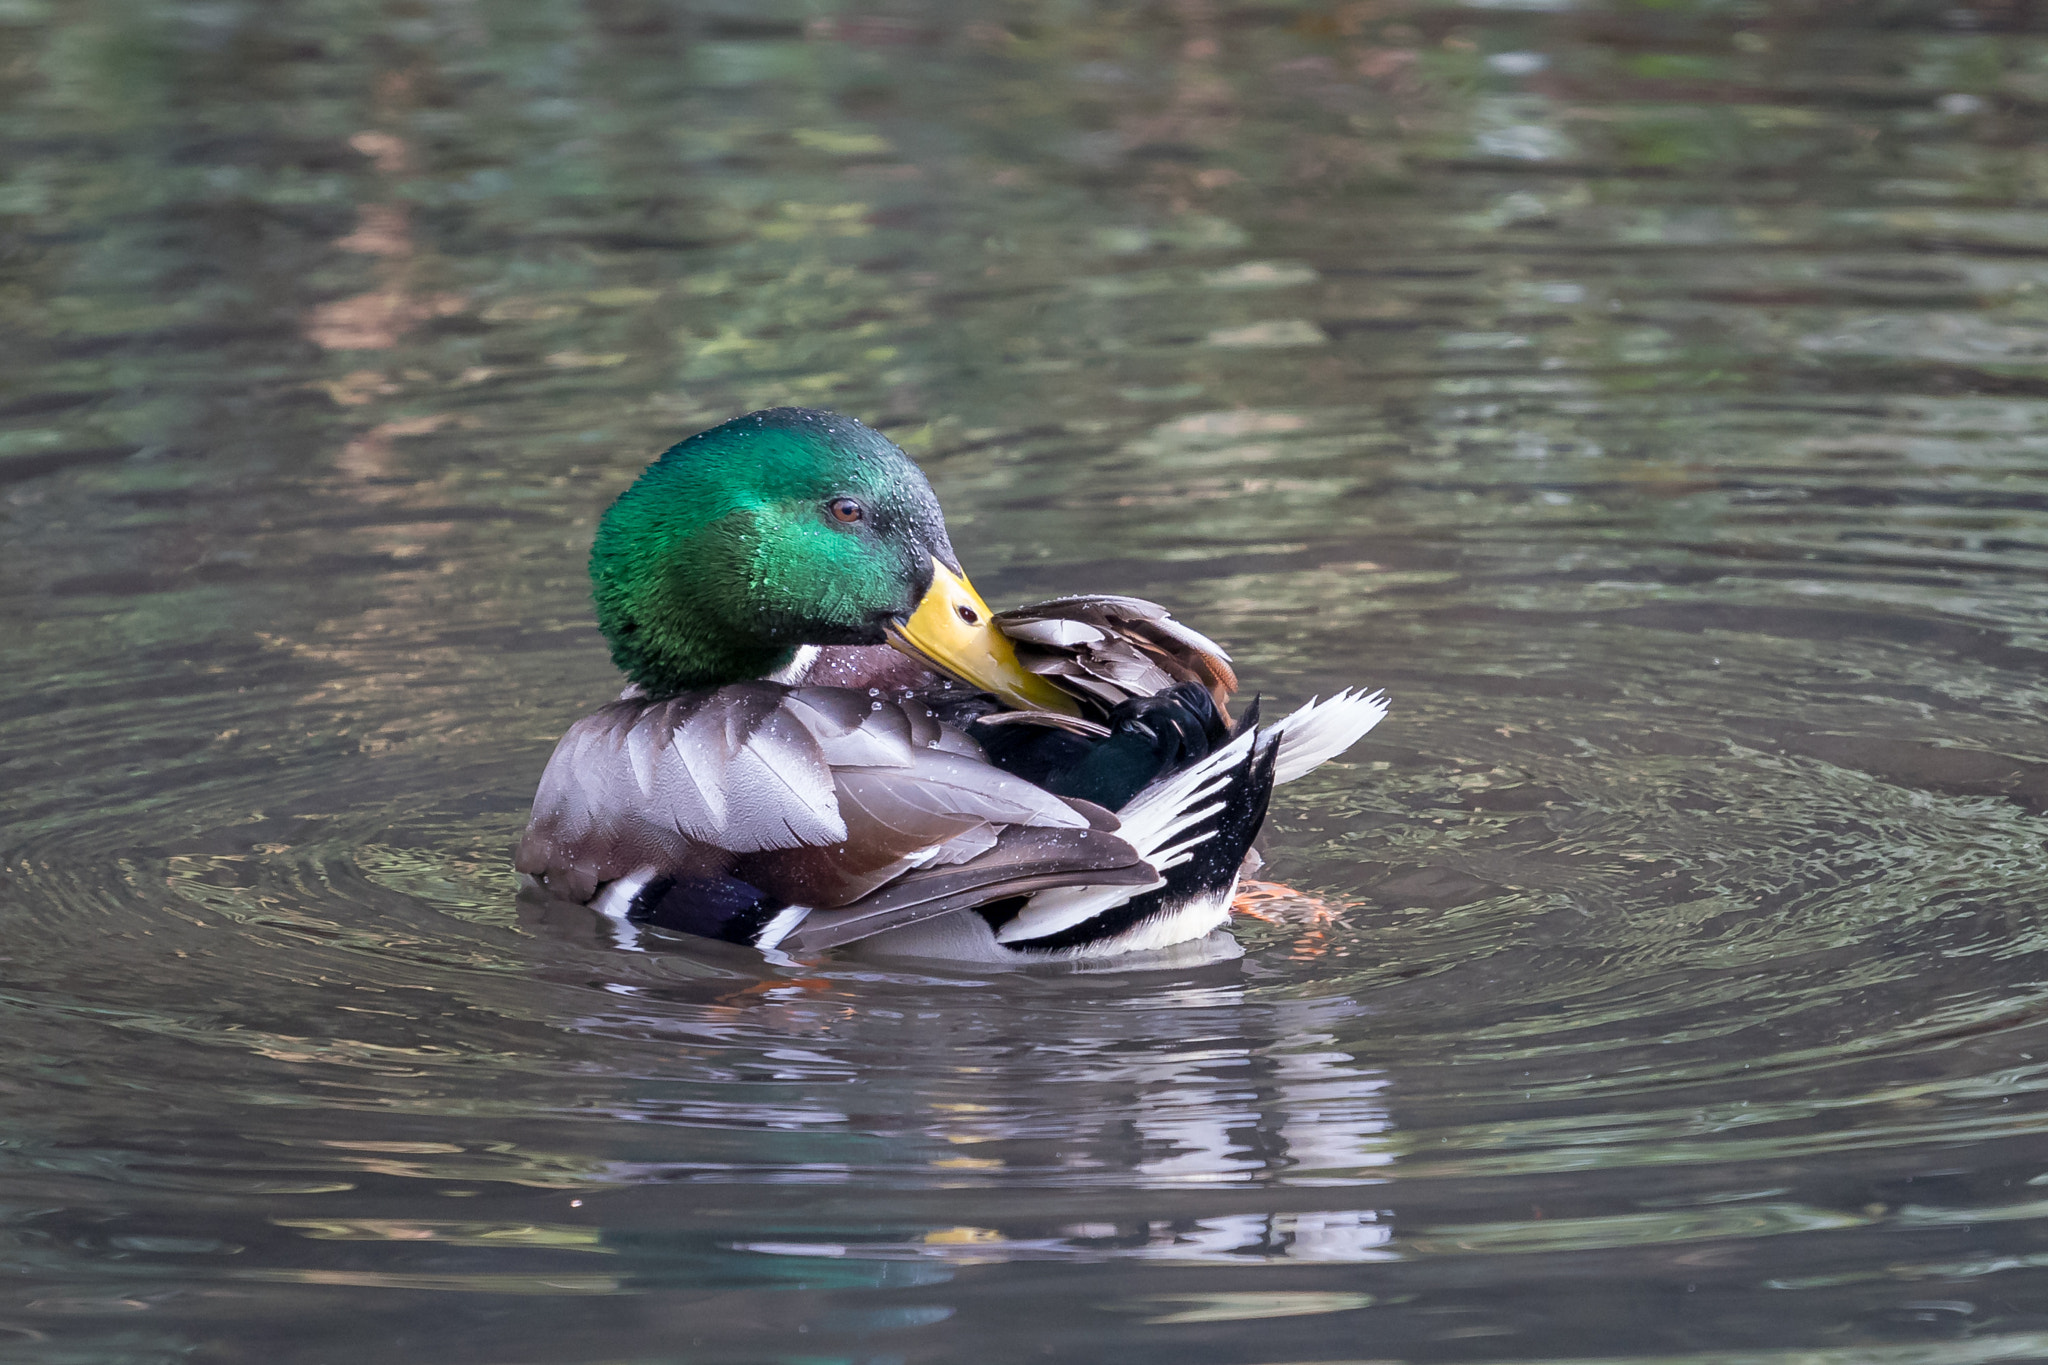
665, 614
668, 656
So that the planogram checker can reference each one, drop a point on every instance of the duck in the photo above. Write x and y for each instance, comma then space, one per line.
829, 740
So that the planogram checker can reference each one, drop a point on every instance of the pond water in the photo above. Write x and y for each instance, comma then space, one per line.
1652, 397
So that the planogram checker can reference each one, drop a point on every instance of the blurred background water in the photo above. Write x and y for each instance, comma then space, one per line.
1652, 395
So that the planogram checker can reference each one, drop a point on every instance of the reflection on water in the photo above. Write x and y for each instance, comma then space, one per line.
1649, 396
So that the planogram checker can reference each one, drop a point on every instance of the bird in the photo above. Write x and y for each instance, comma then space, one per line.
828, 738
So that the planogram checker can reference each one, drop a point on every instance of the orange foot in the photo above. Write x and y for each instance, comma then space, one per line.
1253, 898
1264, 900
769, 987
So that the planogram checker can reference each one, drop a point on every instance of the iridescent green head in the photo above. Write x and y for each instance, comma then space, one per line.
780, 528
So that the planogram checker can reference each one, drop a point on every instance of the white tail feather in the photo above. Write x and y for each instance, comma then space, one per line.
1154, 821
1321, 730
1151, 822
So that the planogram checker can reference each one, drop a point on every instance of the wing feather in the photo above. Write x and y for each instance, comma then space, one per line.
818, 796
1023, 861
1106, 649
679, 785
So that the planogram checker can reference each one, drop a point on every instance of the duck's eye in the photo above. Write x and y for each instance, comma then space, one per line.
846, 510
968, 614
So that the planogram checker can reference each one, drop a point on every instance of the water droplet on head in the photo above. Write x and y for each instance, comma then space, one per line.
874, 691
874, 706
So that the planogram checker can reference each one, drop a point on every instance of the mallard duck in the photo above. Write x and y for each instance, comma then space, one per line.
830, 738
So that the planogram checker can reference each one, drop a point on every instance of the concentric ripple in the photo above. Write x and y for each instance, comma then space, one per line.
1649, 397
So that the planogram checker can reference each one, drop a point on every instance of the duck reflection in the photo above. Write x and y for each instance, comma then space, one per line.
1183, 1112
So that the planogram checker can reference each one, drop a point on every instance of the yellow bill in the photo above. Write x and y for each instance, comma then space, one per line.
954, 631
